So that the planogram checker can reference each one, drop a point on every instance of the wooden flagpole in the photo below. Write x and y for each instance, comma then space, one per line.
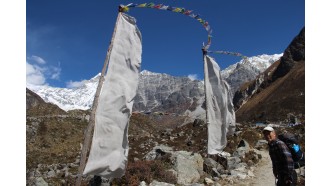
206, 118
90, 127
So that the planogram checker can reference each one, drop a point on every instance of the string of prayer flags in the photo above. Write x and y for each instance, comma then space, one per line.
205, 24
228, 53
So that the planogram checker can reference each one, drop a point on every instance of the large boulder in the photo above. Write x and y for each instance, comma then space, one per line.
188, 165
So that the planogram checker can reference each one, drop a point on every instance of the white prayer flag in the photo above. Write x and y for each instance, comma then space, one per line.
220, 110
109, 149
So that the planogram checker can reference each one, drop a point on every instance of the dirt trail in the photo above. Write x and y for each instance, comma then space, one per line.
263, 173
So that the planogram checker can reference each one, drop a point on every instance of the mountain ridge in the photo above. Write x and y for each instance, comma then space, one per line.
158, 91
278, 94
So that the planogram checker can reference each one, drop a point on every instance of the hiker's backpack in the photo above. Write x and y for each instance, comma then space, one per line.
292, 143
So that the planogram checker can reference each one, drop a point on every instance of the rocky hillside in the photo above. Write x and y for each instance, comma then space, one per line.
35, 105
53, 137
277, 93
247, 69
161, 150
162, 92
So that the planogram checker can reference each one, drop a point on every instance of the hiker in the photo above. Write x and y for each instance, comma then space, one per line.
283, 166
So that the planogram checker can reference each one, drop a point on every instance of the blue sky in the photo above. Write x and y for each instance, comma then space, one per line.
66, 41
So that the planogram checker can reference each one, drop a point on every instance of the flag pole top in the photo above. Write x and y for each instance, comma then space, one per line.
204, 51
123, 8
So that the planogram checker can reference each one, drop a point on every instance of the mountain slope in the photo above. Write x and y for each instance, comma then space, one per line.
159, 92
163, 92
35, 105
247, 69
278, 92
69, 98
33, 99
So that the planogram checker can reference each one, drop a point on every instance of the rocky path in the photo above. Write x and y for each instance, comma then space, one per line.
263, 173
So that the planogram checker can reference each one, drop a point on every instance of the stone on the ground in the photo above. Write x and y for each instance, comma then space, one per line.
209, 164
261, 144
188, 165
40, 182
208, 181
156, 183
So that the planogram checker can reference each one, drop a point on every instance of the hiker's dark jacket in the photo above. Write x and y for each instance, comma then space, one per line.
281, 158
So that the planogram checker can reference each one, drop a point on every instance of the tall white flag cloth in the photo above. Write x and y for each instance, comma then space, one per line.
220, 111
109, 149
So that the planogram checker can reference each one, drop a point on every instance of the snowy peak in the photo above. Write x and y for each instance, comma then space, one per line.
158, 91
148, 73
260, 63
69, 98
247, 69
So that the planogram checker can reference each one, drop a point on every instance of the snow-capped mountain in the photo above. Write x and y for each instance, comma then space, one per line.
69, 99
156, 91
247, 69
260, 63
277, 94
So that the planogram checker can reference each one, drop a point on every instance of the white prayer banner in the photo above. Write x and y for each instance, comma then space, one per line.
220, 110
109, 149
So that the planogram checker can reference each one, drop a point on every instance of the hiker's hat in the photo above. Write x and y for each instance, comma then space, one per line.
270, 129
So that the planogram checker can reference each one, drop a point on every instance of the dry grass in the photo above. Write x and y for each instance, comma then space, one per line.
276, 100
147, 171
57, 141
